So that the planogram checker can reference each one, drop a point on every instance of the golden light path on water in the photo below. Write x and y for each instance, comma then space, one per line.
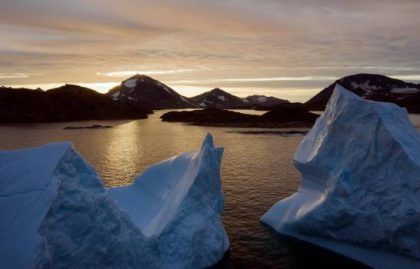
257, 170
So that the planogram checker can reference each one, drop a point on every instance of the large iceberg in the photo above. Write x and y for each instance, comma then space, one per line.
179, 202
56, 213
360, 186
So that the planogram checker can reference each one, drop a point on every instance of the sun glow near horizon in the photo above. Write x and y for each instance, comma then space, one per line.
194, 46
292, 88
291, 94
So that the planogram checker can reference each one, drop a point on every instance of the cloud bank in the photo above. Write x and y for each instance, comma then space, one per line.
236, 43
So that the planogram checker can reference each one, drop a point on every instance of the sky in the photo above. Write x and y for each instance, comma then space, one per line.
291, 49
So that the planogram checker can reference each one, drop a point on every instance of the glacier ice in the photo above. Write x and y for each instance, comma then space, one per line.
179, 202
360, 186
56, 213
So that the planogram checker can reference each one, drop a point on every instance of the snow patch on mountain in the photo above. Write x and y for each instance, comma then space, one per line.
163, 86
115, 95
406, 90
131, 83
222, 98
371, 88
364, 86
262, 99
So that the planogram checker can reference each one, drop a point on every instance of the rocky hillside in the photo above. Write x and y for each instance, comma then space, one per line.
288, 115
218, 98
373, 87
264, 101
66, 103
144, 91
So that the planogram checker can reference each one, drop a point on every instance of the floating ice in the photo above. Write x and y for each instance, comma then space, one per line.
56, 213
179, 202
360, 187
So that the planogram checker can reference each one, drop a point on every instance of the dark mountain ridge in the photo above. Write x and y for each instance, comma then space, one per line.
218, 98
144, 91
66, 103
373, 87
264, 101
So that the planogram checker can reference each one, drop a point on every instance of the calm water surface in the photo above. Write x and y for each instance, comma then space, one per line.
257, 171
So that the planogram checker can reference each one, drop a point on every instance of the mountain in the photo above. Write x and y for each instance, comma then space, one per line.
373, 87
264, 101
218, 98
144, 91
66, 103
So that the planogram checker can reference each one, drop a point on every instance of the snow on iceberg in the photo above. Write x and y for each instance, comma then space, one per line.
360, 186
56, 213
179, 202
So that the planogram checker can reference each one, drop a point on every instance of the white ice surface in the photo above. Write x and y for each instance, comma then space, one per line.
181, 198
26, 192
55, 212
359, 193
154, 197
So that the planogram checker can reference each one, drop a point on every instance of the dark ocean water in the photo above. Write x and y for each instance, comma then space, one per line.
257, 171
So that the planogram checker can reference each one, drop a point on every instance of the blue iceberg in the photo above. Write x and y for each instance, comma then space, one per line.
360, 186
56, 213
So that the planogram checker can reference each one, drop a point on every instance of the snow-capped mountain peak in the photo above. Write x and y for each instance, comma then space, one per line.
147, 92
262, 100
373, 87
218, 98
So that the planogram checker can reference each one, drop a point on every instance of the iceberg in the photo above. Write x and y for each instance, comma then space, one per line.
179, 202
56, 213
360, 186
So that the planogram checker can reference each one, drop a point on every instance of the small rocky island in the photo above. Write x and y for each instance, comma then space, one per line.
95, 126
282, 116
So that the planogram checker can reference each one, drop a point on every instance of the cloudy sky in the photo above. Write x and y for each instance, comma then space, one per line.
291, 49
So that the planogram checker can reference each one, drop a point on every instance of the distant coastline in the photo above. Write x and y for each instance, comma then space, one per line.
138, 96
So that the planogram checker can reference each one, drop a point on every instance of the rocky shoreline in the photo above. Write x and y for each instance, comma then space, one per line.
284, 116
